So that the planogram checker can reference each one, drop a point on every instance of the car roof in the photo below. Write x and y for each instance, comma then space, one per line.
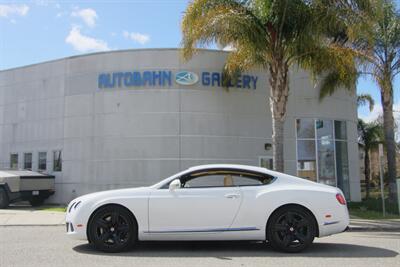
230, 166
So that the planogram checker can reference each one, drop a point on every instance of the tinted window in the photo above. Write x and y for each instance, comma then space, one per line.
221, 178
28, 161
42, 160
305, 128
57, 161
14, 161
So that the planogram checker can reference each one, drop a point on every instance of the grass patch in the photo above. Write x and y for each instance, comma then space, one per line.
371, 214
372, 209
57, 209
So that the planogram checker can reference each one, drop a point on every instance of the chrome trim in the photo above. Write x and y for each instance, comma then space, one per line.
205, 230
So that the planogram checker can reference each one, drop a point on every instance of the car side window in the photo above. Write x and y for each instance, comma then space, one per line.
207, 181
246, 181
221, 178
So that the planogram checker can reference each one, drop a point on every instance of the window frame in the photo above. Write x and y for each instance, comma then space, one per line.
38, 166
13, 154
24, 155
227, 170
54, 160
317, 139
261, 158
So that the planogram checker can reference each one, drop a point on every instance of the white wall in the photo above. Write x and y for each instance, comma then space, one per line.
114, 138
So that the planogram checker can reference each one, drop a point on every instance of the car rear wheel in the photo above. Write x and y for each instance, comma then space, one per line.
112, 229
291, 229
4, 201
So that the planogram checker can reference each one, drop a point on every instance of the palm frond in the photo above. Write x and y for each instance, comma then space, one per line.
365, 99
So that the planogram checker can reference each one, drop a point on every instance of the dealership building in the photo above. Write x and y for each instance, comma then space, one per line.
133, 117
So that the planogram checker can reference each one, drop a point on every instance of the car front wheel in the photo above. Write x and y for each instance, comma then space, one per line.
291, 229
112, 229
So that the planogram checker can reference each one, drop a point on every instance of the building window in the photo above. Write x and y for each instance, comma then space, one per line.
14, 161
28, 161
42, 160
322, 152
342, 167
306, 160
266, 162
57, 161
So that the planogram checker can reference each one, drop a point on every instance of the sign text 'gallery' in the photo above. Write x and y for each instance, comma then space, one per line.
166, 78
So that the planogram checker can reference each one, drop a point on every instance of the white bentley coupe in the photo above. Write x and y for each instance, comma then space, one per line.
211, 202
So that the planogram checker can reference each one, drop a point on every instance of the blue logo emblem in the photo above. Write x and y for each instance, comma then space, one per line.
186, 78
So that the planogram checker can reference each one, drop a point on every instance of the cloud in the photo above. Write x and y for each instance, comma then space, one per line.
84, 43
88, 15
10, 10
377, 111
137, 37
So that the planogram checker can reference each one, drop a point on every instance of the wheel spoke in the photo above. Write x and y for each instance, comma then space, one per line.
280, 227
102, 223
117, 239
123, 228
300, 237
289, 217
104, 236
301, 223
286, 240
114, 218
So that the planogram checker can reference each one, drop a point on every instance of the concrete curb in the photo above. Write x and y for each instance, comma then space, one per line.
351, 229
30, 225
374, 229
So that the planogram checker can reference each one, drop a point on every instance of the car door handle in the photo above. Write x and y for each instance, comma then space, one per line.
232, 195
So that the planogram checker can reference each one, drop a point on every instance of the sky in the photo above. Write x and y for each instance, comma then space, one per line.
41, 30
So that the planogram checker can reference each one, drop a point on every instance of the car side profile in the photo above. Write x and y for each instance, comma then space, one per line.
211, 202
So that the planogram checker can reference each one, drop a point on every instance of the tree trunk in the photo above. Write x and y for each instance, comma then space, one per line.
367, 172
279, 91
388, 125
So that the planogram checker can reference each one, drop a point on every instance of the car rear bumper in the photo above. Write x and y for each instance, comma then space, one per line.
338, 223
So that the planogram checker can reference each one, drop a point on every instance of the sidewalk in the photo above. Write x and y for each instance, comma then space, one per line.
388, 225
30, 217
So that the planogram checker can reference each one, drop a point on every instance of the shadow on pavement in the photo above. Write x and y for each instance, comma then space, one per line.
226, 250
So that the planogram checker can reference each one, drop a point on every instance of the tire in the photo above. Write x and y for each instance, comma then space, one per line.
112, 229
4, 201
291, 229
36, 201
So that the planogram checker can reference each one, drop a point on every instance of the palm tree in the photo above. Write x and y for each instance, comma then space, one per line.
276, 35
383, 64
369, 135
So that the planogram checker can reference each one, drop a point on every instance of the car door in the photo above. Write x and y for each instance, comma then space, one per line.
207, 203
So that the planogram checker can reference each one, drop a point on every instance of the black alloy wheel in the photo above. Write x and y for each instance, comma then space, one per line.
112, 229
291, 229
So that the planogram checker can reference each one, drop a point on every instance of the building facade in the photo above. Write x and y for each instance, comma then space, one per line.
131, 118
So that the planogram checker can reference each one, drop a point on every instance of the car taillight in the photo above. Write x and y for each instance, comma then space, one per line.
341, 199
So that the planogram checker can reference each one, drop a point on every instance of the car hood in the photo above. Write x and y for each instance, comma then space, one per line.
93, 197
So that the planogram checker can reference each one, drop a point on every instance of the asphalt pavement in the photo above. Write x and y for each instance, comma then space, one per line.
49, 246
28, 216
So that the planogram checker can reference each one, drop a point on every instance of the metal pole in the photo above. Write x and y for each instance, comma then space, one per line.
381, 178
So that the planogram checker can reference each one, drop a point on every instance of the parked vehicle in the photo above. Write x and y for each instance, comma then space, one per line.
19, 185
211, 202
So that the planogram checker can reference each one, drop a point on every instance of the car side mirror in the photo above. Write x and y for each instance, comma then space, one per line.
175, 184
